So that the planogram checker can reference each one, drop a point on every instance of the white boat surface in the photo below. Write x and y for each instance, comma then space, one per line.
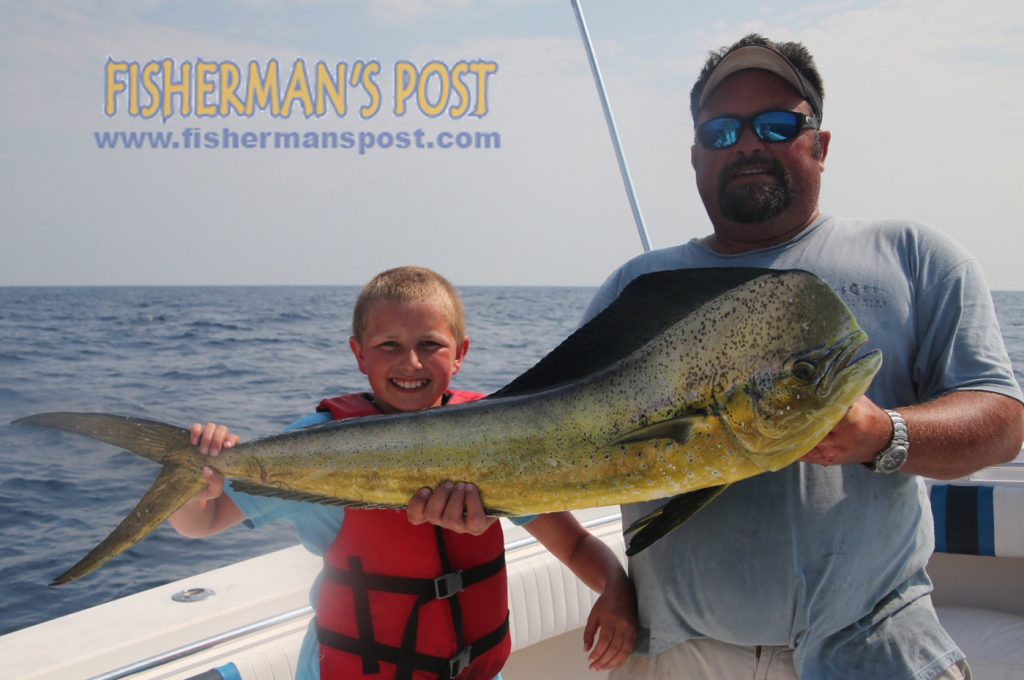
251, 624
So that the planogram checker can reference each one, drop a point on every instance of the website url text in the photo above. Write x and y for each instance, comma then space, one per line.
362, 142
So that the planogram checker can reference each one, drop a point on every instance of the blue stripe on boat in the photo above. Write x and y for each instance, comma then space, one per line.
986, 522
938, 497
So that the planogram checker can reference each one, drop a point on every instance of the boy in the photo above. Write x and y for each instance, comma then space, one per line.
373, 615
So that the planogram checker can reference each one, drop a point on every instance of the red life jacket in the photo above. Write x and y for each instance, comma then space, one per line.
361, 404
410, 602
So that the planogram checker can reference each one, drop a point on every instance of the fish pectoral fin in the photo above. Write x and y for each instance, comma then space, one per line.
175, 485
676, 429
653, 526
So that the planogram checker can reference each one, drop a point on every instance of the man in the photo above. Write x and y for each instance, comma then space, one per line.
817, 571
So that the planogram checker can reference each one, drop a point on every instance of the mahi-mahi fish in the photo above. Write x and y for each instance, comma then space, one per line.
691, 380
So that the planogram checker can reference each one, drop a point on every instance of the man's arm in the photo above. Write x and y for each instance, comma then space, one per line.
952, 436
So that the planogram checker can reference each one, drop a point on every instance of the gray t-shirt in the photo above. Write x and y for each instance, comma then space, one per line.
831, 560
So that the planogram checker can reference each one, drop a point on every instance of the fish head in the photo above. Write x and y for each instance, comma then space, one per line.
803, 379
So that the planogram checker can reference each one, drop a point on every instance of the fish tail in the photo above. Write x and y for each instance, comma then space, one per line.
165, 444
175, 485
148, 438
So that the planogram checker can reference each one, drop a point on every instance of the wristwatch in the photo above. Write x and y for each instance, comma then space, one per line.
892, 457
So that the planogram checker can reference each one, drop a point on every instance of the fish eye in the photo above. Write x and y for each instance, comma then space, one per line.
804, 370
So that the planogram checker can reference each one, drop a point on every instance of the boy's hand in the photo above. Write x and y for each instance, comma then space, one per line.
209, 510
614, 614
456, 507
212, 438
214, 486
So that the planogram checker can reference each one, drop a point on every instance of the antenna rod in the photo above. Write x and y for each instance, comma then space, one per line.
612, 130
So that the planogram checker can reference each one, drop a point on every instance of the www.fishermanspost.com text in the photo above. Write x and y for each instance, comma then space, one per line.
360, 142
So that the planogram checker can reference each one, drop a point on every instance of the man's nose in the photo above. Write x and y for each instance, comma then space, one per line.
748, 140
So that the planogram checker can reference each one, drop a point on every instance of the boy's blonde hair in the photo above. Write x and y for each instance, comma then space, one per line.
407, 285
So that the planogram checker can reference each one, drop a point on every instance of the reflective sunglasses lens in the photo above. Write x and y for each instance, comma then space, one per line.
777, 126
720, 133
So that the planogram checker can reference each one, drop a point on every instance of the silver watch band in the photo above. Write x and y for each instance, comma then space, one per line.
894, 456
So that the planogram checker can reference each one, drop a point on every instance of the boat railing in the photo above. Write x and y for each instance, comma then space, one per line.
1007, 473
186, 651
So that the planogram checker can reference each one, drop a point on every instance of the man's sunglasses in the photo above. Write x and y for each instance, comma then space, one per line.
769, 126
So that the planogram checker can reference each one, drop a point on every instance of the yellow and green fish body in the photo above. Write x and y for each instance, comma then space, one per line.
659, 395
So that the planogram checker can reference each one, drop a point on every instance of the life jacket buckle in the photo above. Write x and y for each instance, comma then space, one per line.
459, 662
448, 585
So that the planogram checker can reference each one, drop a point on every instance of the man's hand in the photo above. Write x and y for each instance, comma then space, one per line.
950, 436
863, 432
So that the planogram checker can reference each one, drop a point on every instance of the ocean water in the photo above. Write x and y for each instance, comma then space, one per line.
253, 357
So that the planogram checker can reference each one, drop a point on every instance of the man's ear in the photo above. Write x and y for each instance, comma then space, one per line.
824, 137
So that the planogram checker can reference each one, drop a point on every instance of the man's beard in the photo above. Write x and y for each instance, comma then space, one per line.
754, 203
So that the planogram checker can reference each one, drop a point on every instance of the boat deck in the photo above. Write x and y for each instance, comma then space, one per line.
254, 621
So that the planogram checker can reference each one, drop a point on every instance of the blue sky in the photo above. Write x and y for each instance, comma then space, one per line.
924, 100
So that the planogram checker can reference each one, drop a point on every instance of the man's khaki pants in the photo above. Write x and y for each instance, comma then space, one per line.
707, 659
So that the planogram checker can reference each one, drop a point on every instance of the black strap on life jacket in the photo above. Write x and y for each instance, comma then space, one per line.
445, 669
405, 658
364, 621
453, 602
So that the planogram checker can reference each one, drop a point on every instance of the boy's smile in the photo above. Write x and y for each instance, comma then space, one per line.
410, 384
409, 354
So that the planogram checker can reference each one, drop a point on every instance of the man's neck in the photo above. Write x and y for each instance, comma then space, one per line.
733, 239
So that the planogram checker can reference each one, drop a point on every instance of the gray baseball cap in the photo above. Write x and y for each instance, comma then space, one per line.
766, 59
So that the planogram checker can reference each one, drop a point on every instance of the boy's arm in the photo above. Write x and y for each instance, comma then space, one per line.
457, 507
594, 563
209, 511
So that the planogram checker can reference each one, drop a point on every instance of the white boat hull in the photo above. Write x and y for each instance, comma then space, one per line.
150, 636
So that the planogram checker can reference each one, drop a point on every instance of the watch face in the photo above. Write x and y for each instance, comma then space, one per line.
892, 459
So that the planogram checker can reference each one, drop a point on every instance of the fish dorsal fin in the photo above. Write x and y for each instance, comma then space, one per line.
676, 429
655, 525
648, 305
